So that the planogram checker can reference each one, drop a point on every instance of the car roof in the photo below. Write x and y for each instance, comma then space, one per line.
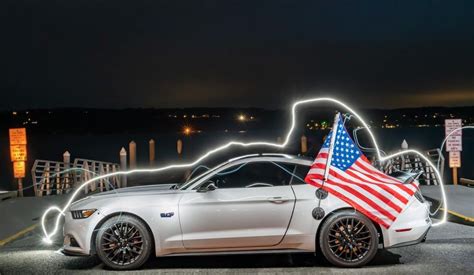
275, 157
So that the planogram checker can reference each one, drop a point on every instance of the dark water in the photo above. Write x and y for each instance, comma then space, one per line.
107, 147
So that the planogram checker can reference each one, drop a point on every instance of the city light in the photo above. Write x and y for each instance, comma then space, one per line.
242, 117
379, 156
187, 130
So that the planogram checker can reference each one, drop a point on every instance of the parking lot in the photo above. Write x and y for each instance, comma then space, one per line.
448, 249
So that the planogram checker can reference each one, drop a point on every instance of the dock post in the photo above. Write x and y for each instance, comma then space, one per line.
123, 166
132, 150
304, 144
404, 146
65, 185
151, 145
179, 147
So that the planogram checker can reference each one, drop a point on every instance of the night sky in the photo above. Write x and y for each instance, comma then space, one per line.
116, 54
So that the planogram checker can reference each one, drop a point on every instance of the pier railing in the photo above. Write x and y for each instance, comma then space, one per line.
57, 178
52, 177
92, 168
414, 163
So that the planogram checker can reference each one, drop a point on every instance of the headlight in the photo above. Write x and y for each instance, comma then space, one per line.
82, 214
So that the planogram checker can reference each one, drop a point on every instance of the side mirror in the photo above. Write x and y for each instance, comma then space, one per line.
209, 186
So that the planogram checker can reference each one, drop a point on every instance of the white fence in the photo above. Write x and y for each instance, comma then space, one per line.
52, 177
414, 163
92, 168
60, 177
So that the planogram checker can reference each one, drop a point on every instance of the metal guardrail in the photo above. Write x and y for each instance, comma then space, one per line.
92, 168
467, 182
413, 163
407, 163
52, 177
436, 156
57, 178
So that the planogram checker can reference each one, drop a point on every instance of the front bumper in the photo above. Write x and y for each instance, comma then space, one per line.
78, 234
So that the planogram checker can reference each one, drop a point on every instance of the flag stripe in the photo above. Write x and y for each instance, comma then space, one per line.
369, 168
393, 189
356, 176
374, 190
355, 193
351, 202
396, 184
396, 197
368, 191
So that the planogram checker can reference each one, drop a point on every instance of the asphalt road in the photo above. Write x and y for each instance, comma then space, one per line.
448, 249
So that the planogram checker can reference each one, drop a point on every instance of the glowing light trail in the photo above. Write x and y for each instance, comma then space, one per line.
381, 158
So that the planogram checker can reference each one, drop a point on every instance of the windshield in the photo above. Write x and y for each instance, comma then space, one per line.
190, 182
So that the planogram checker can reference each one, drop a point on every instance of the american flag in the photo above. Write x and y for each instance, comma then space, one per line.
353, 179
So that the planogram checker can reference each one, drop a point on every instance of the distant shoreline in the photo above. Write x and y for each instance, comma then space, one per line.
100, 121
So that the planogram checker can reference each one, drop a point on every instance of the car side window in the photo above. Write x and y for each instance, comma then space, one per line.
253, 174
299, 173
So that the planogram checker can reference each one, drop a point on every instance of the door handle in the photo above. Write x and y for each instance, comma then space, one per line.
278, 200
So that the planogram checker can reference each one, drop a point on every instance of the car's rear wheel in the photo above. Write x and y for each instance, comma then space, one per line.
123, 242
348, 239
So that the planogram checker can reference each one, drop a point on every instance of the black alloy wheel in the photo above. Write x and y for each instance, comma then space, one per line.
123, 242
348, 239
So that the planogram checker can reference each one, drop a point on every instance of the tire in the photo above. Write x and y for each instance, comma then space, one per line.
123, 242
348, 239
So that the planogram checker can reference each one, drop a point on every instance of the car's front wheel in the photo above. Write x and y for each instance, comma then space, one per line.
123, 242
348, 239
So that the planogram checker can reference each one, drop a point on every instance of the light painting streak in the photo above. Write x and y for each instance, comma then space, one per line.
381, 158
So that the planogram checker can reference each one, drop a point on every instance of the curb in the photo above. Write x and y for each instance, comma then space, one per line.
459, 218
453, 216
8, 195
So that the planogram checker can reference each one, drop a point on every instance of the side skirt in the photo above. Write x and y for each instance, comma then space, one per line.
243, 252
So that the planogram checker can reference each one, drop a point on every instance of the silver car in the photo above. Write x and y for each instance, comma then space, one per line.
251, 204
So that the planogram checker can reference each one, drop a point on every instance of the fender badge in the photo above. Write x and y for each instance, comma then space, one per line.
167, 215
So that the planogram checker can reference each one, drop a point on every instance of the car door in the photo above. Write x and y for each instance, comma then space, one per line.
251, 207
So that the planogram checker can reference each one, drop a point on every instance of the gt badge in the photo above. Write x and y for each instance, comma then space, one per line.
167, 215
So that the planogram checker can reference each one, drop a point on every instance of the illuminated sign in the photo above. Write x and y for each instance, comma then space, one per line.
19, 169
17, 136
454, 159
454, 141
18, 152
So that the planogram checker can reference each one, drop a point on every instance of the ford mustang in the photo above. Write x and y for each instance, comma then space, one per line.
251, 204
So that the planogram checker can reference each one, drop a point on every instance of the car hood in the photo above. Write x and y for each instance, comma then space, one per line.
156, 189
139, 189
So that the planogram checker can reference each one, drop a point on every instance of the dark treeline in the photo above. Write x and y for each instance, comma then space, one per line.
98, 121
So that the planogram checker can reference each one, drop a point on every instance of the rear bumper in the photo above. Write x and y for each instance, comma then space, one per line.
410, 227
413, 242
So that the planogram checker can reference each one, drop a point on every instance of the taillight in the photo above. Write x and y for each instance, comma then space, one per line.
402, 230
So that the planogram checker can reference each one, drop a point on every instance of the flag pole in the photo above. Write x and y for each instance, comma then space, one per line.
331, 146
